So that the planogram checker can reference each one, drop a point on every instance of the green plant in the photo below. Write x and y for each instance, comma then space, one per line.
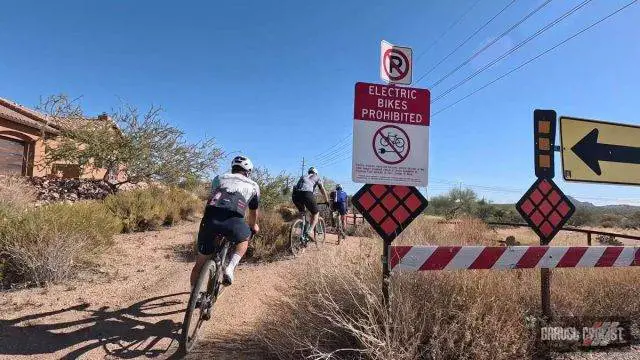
274, 190
143, 147
150, 209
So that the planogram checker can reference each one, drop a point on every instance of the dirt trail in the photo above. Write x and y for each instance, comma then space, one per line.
132, 306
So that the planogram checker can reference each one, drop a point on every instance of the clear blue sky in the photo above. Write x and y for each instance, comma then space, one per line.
275, 79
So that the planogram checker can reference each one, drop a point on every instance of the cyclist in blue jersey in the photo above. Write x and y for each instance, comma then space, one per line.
341, 201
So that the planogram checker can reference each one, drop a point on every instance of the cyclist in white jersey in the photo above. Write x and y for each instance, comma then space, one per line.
224, 215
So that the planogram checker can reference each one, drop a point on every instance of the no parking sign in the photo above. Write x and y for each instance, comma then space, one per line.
390, 135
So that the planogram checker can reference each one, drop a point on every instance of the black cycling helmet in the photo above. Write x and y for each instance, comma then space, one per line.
338, 187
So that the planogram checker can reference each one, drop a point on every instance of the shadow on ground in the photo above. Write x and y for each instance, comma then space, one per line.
143, 329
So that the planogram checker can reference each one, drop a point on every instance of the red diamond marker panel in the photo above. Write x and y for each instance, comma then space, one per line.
545, 208
389, 209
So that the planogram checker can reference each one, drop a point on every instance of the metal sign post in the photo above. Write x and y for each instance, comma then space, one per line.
390, 150
389, 209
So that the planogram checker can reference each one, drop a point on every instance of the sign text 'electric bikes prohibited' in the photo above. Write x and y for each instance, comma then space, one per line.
395, 63
390, 135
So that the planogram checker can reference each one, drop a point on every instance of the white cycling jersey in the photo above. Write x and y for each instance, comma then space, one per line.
241, 184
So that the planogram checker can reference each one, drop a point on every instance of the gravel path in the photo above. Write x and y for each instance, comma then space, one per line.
132, 306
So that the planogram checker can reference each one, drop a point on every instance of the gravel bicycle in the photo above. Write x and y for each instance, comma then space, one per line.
298, 238
204, 294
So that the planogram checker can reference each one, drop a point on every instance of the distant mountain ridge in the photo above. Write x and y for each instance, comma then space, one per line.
612, 208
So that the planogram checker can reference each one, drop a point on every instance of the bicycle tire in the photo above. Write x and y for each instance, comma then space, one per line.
187, 341
295, 243
320, 232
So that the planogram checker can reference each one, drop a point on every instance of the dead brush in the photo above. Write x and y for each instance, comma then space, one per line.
16, 192
333, 309
272, 239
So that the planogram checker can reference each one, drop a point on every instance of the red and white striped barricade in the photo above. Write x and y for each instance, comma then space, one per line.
422, 258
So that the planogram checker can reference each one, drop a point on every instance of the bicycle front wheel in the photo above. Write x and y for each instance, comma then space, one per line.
320, 232
295, 237
193, 317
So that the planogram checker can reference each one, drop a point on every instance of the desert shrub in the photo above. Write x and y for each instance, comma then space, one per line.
361, 230
287, 213
150, 209
273, 238
332, 306
44, 244
16, 192
466, 231
608, 240
632, 221
181, 206
611, 221
274, 189
582, 217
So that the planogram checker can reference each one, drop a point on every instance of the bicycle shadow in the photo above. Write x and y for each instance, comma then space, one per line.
140, 330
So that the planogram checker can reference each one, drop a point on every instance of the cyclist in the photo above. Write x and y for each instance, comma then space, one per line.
340, 201
303, 196
224, 215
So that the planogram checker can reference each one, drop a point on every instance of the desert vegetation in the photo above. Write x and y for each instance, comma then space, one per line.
334, 308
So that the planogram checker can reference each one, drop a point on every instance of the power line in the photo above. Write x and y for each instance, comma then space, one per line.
337, 159
515, 48
534, 58
456, 22
466, 40
333, 146
337, 150
484, 48
337, 156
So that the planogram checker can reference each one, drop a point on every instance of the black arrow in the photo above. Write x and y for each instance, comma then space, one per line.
592, 152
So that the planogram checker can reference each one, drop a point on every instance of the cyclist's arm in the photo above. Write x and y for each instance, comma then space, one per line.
252, 216
324, 192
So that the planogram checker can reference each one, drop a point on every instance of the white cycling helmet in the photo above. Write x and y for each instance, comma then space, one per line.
312, 170
243, 162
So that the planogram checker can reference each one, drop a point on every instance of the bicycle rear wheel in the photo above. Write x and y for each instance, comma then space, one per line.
320, 232
194, 316
295, 237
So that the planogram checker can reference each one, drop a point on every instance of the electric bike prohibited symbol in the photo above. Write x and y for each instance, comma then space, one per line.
391, 144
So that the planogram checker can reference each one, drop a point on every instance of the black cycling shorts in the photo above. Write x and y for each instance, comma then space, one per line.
218, 222
305, 199
341, 208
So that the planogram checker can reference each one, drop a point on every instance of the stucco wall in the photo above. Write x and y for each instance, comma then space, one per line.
33, 138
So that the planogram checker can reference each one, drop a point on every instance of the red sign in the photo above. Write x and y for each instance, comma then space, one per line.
389, 209
545, 208
393, 104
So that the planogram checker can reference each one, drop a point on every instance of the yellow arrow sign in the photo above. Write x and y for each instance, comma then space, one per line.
601, 152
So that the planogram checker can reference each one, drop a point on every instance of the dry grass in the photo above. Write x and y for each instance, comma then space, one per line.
16, 193
152, 208
45, 244
273, 238
334, 308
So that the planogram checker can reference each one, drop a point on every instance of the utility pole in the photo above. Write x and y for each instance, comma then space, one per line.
302, 168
